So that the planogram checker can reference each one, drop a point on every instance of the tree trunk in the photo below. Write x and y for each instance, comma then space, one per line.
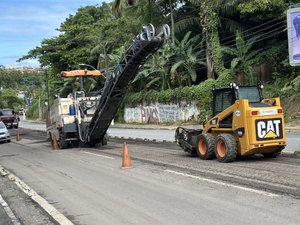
172, 21
209, 65
264, 72
210, 22
241, 79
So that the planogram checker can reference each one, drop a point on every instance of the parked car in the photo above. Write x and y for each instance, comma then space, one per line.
9, 117
4, 134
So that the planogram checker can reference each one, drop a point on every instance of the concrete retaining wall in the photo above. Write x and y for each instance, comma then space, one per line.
161, 113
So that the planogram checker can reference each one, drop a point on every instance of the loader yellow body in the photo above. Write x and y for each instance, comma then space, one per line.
262, 127
243, 123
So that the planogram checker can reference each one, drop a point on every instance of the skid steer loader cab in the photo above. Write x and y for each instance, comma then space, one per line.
225, 97
242, 123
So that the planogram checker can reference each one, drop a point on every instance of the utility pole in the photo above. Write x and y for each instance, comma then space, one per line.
40, 109
47, 90
47, 99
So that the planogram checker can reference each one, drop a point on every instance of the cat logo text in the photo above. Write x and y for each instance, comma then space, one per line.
268, 129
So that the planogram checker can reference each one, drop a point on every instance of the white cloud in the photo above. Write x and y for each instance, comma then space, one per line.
29, 62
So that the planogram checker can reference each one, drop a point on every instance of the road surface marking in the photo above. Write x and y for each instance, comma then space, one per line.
8, 211
223, 183
60, 218
102, 156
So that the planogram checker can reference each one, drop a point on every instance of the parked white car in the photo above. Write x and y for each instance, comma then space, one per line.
4, 134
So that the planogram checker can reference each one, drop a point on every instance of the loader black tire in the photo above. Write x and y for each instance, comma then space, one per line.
226, 148
206, 146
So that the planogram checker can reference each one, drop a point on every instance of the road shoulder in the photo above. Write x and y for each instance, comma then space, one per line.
22, 205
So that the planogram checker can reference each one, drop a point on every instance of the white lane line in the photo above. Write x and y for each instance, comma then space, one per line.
9, 212
223, 184
60, 218
102, 156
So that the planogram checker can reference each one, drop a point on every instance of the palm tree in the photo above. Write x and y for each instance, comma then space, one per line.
155, 73
70, 85
210, 11
101, 50
119, 5
187, 17
187, 57
148, 9
242, 63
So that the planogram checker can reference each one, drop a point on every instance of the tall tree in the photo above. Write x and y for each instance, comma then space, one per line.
242, 63
188, 58
147, 10
210, 13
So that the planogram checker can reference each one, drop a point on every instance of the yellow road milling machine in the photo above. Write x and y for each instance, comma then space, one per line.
243, 123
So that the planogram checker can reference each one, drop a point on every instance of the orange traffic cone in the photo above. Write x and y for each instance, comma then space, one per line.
126, 162
18, 137
54, 142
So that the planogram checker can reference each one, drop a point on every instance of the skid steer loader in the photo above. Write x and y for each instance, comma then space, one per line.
243, 123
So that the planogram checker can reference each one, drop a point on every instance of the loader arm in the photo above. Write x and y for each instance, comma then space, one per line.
222, 120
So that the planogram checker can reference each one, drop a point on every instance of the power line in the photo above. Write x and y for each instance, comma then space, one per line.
256, 32
261, 49
264, 37
263, 24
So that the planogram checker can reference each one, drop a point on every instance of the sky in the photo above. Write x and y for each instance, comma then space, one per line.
25, 23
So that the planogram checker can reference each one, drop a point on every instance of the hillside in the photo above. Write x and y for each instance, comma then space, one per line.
291, 107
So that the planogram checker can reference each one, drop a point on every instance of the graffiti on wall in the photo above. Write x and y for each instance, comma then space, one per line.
161, 113
132, 115
149, 114
169, 113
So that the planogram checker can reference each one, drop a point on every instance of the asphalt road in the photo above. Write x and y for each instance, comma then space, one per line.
165, 185
293, 138
20, 208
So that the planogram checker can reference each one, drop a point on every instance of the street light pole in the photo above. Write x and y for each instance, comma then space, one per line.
81, 83
90, 66
81, 78
87, 65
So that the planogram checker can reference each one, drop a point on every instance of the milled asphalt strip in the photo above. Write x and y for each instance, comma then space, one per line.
223, 184
203, 171
9, 212
54, 213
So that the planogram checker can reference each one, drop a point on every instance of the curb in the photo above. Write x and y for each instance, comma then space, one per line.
146, 127
9, 212
51, 210
292, 130
141, 139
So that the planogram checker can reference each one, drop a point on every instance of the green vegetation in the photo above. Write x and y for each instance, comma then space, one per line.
213, 42
9, 99
12, 81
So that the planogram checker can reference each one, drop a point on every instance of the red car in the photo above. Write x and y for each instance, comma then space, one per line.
9, 118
